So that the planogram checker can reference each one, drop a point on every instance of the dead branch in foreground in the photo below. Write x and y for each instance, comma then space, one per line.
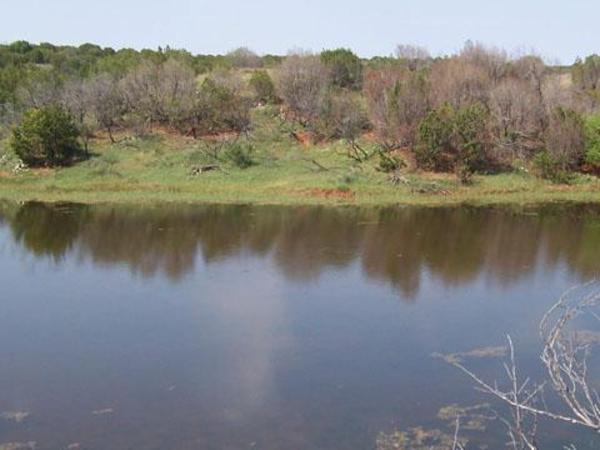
564, 356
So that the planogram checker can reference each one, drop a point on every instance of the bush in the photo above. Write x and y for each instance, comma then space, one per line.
221, 108
244, 57
435, 149
389, 163
345, 68
454, 139
565, 138
342, 116
263, 86
240, 154
302, 84
46, 136
397, 101
592, 140
551, 168
471, 137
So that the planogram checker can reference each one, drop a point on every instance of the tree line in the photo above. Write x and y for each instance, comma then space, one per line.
479, 110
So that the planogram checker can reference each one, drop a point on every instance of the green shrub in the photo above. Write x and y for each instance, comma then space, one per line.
389, 163
263, 86
592, 139
341, 116
456, 139
240, 154
435, 146
220, 108
46, 136
471, 137
552, 168
565, 139
345, 68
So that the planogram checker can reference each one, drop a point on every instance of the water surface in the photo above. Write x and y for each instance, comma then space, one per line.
232, 327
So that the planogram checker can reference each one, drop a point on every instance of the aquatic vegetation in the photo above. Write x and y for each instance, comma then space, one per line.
15, 416
18, 446
482, 352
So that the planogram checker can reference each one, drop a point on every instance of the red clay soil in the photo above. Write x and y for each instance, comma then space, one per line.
591, 169
303, 137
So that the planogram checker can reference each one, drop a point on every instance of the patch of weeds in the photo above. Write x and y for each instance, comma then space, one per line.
240, 154
110, 158
389, 163
473, 421
552, 168
349, 177
196, 156
104, 165
418, 186
8, 160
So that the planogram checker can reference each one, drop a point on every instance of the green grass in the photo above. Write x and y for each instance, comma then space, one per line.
157, 169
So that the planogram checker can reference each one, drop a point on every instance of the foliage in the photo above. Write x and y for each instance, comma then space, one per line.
435, 139
454, 138
46, 137
158, 169
342, 116
471, 137
345, 68
586, 74
389, 163
592, 139
565, 138
243, 57
240, 154
263, 86
551, 168
455, 113
221, 108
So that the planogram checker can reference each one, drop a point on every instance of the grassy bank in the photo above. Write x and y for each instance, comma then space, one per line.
159, 168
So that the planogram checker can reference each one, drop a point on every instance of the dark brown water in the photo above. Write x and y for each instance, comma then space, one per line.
269, 328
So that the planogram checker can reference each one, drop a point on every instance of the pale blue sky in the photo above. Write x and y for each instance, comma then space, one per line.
557, 29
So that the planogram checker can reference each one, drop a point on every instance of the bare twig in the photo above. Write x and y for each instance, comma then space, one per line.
565, 357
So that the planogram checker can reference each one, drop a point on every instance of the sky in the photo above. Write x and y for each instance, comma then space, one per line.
558, 30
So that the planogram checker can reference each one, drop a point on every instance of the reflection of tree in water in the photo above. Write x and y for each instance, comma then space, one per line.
394, 245
48, 229
311, 239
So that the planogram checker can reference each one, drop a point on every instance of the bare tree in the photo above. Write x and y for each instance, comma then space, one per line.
459, 82
343, 117
77, 100
302, 82
397, 99
532, 69
517, 113
493, 61
107, 102
558, 91
243, 57
40, 87
415, 55
565, 138
160, 93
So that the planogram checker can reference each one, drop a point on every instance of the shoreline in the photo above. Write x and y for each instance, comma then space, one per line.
167, 194
163, 169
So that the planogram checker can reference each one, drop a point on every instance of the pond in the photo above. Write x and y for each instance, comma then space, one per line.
240, 327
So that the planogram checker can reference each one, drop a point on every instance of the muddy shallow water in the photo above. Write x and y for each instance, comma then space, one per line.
232, 327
